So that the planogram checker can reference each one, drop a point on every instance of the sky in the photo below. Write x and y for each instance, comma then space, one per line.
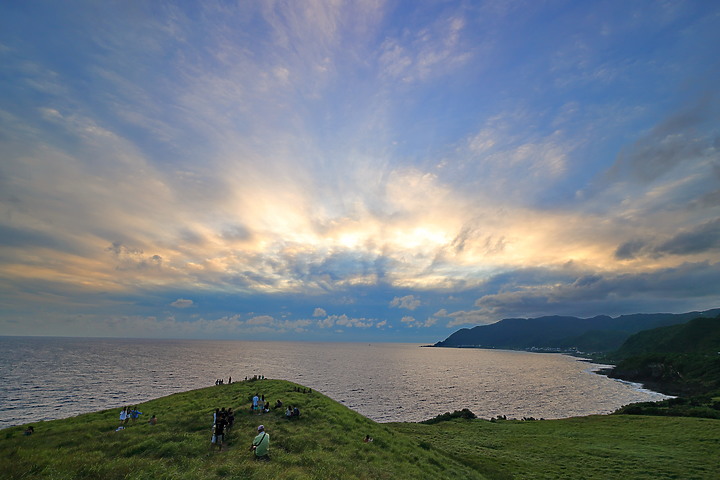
330, 170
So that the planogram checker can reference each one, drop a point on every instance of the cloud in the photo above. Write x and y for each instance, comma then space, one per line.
260, 320
703, 238
409, 302
411, 322
700, 239
345, 321
684, 137
182, 303
669, 289
431, 51
323, 160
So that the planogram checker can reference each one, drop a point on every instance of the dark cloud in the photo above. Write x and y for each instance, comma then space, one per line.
236, 232
132, 258
119, 250
709, 200
703, 238
679, 139
682, 288
630, 249
699, 239
332, 268
190, 237
15, 237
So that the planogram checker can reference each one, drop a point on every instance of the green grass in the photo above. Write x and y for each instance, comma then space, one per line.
594, 447
326, 443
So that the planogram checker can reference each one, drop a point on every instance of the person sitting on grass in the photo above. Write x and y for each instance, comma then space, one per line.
153, 420
261, 444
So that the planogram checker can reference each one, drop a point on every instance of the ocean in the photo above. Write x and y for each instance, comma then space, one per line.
44, 378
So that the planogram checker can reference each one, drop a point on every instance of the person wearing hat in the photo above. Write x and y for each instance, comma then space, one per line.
261, 444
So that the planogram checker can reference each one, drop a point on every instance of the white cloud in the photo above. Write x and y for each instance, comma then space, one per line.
434, 50
345, 321
261, 320
319, 312
182, 303
409, 302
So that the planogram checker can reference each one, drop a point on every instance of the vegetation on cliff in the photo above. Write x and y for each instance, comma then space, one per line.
681, 360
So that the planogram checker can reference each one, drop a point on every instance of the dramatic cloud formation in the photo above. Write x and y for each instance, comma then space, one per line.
366, 171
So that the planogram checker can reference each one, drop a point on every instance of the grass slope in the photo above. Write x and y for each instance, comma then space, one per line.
594, 447
326, 443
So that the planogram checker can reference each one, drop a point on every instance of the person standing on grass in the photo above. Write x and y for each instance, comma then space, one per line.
218, 433
135, 414
261, 444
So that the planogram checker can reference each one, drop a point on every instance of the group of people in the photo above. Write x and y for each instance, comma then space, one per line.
292, 412
127, 414
132, 413
223, 421
259, 405
221, 381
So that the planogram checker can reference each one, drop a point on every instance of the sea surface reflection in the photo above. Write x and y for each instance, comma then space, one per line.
48, 378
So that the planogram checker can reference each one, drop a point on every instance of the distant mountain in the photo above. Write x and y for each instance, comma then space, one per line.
597, 334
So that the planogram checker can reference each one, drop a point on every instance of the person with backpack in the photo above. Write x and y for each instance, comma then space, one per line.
261, 444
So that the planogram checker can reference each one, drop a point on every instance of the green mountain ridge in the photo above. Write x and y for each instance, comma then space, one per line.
677, 360
700, 335
597, 334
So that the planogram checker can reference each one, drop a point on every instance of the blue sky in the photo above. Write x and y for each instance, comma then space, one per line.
354, 171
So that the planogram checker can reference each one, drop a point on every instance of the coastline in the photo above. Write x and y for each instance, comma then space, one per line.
385, 382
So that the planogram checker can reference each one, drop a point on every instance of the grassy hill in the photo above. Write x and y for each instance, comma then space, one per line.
326, 443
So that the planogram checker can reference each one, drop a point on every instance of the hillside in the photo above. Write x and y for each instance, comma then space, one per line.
700, 336
678, 360
597, 334
325, 442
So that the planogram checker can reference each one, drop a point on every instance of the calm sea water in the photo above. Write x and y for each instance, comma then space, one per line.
50, 378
